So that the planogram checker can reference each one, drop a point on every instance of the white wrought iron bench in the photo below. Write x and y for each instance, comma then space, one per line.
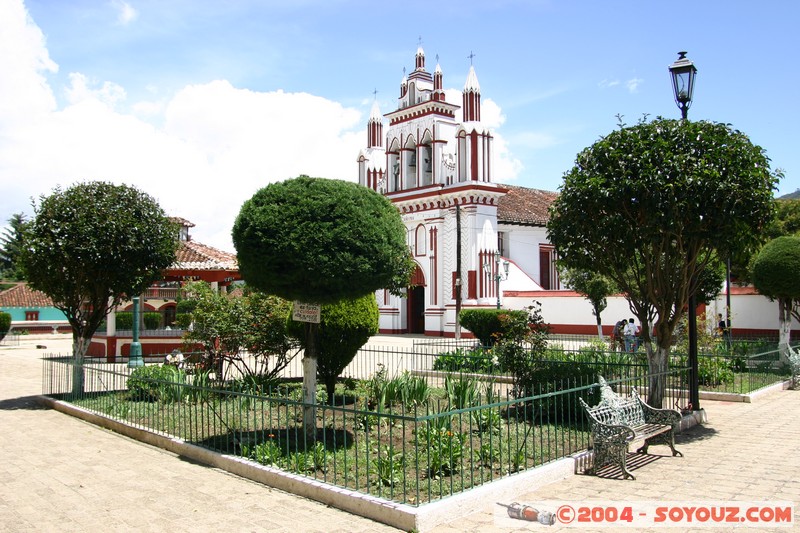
618, 421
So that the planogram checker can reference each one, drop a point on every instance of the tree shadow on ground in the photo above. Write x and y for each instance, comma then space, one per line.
697, 433
30, 403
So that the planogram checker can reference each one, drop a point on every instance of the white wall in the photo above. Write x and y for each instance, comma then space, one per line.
568, 311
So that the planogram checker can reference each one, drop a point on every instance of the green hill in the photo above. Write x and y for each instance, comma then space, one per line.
791, 196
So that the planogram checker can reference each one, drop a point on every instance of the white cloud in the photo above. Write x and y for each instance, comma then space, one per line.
79, 90
125, 12
605, 84
24, 92
201, 152
214, 145
633, 84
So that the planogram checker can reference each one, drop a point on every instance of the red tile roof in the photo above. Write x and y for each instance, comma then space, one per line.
182, 222
192, 255
22, 295
522, 205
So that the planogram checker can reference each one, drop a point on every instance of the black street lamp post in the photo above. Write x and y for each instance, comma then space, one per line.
498, 276
683, 74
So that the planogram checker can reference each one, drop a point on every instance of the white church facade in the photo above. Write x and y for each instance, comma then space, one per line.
434, 161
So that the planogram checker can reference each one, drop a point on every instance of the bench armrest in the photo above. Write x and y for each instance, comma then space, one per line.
653, 415
612, 433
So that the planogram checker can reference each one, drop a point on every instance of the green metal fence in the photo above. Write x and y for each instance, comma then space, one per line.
398, 429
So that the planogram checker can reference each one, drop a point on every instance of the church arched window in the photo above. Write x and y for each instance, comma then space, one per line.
420, 241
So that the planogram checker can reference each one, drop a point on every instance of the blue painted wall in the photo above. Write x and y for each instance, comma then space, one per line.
45, 313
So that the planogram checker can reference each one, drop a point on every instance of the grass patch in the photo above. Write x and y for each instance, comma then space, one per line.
411, 453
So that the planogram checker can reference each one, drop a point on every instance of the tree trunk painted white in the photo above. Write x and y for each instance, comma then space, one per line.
784, 328
310, 381
79, 349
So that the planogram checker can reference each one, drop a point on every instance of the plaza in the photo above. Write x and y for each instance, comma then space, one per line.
62, 474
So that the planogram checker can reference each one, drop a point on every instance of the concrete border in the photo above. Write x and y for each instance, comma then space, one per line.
745, 398
402, 516
406, 517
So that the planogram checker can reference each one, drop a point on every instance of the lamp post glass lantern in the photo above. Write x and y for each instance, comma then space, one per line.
683, 74
498, 275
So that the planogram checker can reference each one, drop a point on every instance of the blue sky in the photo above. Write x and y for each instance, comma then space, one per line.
200, 103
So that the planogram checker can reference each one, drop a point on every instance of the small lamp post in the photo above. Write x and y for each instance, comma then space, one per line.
135, 359
498, 276
683, 74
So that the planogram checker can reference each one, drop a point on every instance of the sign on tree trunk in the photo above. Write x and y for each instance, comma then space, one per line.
304, 312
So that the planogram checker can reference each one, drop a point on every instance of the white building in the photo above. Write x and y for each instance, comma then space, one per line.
435, 163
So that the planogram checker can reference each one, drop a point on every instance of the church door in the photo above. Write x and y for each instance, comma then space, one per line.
416, 309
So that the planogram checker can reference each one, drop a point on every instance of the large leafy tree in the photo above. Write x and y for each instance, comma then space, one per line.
93, 245
318, 240
775, 275
787, 219
648, 206
11, 244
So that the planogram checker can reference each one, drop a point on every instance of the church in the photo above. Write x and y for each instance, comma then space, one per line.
472, 239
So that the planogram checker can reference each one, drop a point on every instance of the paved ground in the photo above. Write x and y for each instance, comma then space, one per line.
60, 474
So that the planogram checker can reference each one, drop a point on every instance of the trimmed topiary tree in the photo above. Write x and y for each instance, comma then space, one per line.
344, 328
775, 276
316, 240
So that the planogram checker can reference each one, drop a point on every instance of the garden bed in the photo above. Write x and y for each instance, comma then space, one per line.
404, 451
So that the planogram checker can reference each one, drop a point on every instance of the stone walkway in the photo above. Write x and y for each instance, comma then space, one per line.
60, 474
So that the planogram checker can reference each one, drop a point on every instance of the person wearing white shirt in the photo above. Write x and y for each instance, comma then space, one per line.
630, 336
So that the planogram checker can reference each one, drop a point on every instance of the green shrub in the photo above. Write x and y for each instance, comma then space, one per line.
164, 383
411, 391
478, 360
552, 377
5, 324
487, 324
151, 320
124, 320
183, 312
711, 371
185, 306
462, 392
388, 465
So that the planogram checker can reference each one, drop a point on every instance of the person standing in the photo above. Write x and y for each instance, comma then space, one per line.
630, 336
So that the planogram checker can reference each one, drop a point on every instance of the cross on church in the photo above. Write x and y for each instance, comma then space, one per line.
419, 41
470, 56
375, 94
